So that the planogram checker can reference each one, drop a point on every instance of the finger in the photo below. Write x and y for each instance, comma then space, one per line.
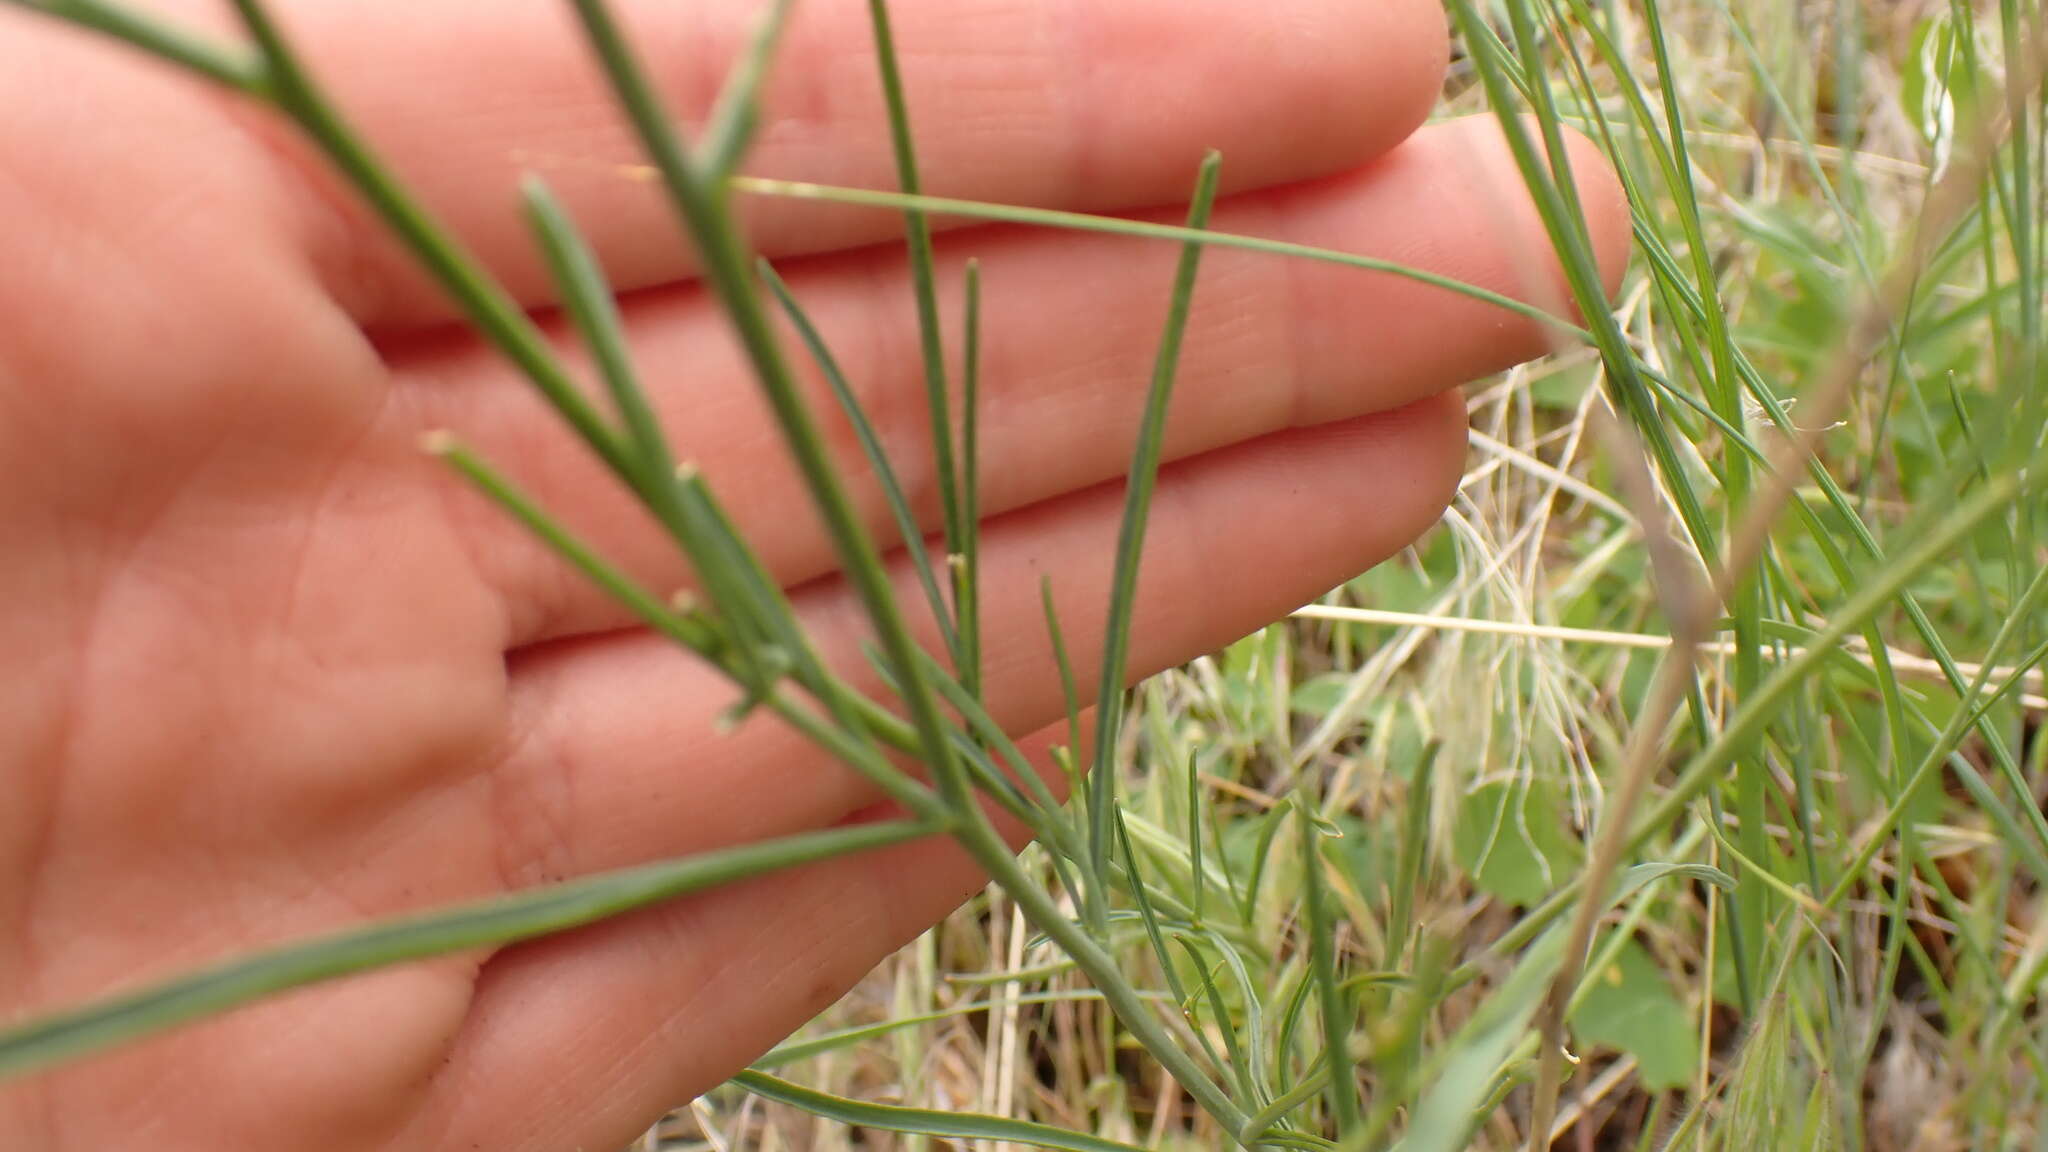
625, 1019
1072, 322
597, 1033
620, 759
1058, 102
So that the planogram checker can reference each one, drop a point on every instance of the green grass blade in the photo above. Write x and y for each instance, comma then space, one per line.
751, 607
1408, 869
1070, 692
990, 735
871, 447
796, 1051
239, 70
1465, 1076
1240, 1065
1144, 473
737, 116
693, 633
1259, 1129
1965, 720
921, 1121
587, 297
497, 318
1262, 851
967, 574
1877, 592
1555, 196
1321, 945
923, 278
727, 269
1725, 396
1195, 839
489, 923
1142, 229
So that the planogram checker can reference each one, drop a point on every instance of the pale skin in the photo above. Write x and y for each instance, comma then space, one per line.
266, 670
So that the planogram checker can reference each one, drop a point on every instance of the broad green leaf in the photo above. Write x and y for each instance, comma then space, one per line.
1628, 1006
1512, 837
1321, 695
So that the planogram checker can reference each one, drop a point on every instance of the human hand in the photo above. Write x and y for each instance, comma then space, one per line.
269, 671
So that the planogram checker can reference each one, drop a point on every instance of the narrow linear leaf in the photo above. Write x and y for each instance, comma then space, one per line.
1143, 476
235, 69
967, 576
1144, 229
921, 1121
587, 297
923, 277
737, 115
795, 1051
1321, 945
487, 923
871, 447
728, 272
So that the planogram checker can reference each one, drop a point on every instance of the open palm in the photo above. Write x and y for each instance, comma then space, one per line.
269, 671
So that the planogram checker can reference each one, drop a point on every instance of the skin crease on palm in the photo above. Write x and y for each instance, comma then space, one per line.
270, 671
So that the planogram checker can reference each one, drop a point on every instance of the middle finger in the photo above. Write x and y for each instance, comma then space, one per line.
1071, 324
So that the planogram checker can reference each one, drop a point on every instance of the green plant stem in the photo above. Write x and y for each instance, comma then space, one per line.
693, 635
496, 316
1166, 967
239, 70
1145, 229
726, 270
752, 611
1746, 605
1259, 1127
1101, 969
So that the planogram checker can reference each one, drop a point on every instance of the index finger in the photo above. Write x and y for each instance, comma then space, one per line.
1078, 104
